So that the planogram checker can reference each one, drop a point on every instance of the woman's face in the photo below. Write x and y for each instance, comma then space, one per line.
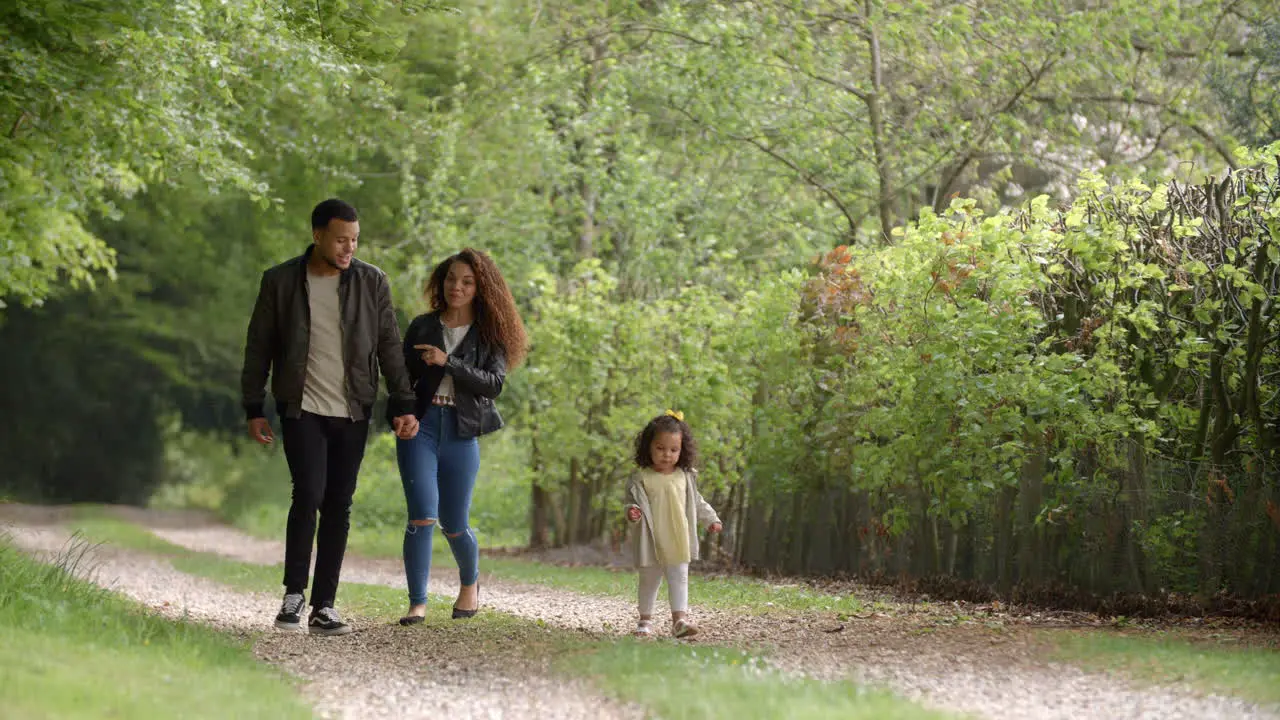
459, 285
664, 451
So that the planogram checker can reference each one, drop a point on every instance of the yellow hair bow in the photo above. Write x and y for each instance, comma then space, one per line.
676, 414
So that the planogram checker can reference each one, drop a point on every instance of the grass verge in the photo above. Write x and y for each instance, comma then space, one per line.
69, 649
687, 682
729, 593
1227, 669
675, 681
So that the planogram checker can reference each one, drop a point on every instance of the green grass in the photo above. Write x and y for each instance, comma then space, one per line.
680, 682
374, 601
249, 486
732, 593
659, 675
371, 540
1247, 672
71, 650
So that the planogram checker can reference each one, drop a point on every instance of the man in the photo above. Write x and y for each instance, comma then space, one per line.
322, 326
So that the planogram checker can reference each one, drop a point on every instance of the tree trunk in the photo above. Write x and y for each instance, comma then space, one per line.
821, 532
797, 536
571, 530
752, 532
539, 516
539, 500
879, 137
1003, 555
1135, 514
1031, 497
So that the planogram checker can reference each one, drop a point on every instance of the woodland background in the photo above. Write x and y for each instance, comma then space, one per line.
978, 290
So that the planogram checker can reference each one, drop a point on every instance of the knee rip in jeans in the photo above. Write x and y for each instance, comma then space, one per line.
412, 527
454, 534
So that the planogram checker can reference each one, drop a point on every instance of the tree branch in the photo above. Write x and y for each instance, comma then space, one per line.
1142, 47
1055, 99
17, 124
860, 94
805, 175
944, 187
1218, 145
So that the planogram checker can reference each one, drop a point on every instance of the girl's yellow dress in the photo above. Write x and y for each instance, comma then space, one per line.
670, 526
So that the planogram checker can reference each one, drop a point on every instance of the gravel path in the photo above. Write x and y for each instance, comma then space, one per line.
379, 672
995, 673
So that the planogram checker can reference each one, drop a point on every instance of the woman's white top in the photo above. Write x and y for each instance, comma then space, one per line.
452, 336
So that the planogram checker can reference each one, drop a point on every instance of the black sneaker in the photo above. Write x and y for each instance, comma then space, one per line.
290, 617
325, 621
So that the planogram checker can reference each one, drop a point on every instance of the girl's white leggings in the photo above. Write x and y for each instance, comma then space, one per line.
677, 587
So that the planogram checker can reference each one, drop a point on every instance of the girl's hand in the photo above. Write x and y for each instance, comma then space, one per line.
633, 514
715, 528
432, 355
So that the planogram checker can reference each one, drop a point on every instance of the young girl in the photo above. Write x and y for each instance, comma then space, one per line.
663, 497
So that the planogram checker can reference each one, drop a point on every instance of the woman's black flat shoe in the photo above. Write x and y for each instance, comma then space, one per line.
461, 614
412, 620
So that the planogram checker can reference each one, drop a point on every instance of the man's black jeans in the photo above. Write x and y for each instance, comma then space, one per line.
324, 455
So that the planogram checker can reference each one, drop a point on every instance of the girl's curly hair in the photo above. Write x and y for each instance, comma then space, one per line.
495, 308
667, 424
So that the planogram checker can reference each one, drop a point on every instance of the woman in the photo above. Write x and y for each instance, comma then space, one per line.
457, 356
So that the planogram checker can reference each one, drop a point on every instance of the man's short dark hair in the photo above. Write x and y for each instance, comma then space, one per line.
330, 209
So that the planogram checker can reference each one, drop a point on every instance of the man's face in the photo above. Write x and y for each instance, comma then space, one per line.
336, 243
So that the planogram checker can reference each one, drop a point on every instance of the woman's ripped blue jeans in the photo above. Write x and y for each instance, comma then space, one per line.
438, 470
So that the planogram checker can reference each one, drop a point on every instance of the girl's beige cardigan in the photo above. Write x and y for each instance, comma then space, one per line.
700, 514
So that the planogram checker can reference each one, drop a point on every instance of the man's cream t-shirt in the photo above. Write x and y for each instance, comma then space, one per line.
325, 390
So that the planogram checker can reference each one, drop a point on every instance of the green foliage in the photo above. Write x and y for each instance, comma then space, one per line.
1050, 358
66, 383
601, 369
1249, 89
972, 391
237, 479
249, 487
149, 94
943, 373
1171, 544
883, 107
547, 148
1016, 382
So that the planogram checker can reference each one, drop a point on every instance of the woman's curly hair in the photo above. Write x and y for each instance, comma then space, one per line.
667, 424
495, 308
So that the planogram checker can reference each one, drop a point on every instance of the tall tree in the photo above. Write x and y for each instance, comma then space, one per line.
881, 107
101, 100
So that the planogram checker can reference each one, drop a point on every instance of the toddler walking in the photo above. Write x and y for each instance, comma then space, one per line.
663, 497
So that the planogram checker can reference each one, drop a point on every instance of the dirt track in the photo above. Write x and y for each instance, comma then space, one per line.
993, 669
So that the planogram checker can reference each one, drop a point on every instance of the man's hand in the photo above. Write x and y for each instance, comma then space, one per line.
633, 514
406, 426
432, 355
715, 528
260, 430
